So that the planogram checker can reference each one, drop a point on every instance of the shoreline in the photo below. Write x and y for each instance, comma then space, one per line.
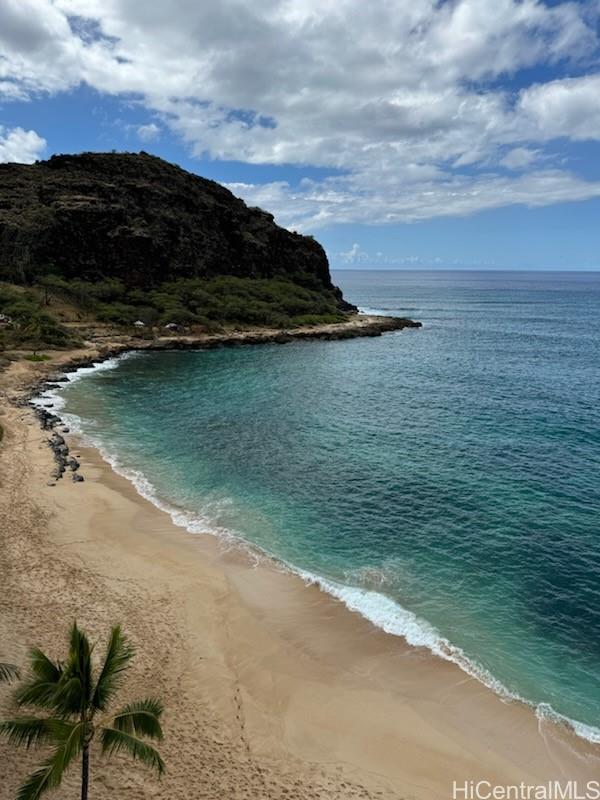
103, 345
324, 692
415, 632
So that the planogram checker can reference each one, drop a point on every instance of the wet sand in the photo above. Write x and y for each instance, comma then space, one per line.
272, 689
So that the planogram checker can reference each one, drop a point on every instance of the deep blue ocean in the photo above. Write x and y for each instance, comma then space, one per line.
445, 482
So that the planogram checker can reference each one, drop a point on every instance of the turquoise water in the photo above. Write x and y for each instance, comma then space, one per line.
443, 481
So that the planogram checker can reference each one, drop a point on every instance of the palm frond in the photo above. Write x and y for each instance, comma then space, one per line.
69, 690
41, 687
44, 668
37, 783
69, 696
79, 666
36, 693
118, 655
113, 741
50, 773
8, 672
30, 731
70, 746
141, 717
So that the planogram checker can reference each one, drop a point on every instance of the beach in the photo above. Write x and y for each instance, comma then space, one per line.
272, 689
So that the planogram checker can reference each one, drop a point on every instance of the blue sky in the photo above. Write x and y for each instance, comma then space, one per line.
400, 133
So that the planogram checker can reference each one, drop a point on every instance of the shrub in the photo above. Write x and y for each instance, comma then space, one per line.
30, 324
273, 302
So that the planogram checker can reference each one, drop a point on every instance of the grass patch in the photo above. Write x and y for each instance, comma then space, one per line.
37, 357
26, 323
207, 303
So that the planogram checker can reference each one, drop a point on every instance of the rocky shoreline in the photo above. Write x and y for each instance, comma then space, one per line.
103, 347
273, 688
50, 374
59, 447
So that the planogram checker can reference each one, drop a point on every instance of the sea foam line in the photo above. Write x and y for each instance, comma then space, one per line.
376, 607
55, 397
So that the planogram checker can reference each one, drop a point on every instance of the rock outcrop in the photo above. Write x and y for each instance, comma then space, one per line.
140, 219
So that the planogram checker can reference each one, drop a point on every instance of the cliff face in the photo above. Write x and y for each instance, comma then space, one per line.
136, 217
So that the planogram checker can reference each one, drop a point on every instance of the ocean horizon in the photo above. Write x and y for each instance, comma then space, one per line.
442, 482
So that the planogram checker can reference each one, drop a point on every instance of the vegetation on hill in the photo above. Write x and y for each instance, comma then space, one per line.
275, 302
124, 237
26, 323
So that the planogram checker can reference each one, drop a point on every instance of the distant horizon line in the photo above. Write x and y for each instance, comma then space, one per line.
464, 269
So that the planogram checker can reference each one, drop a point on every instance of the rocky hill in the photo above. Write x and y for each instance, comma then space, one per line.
139, 219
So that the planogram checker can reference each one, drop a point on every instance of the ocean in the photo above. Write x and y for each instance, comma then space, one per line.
443, 482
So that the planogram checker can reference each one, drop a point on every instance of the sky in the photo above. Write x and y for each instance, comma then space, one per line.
400, 133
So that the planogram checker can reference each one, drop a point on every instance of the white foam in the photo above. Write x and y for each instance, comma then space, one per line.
52, 398
585, 731
373, 312
393, 618
545, 713
193, 523
374, 606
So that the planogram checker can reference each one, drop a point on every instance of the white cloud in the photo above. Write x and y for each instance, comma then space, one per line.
149, 132
21, 146
569, 108
349, 201
519, 158
355, 255
398, 259
405, 98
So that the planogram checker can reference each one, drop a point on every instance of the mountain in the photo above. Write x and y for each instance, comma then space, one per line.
143, 221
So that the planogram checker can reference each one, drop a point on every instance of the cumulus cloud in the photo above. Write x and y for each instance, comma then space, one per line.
355, 255
563, 108
408, 100
21, 146
149, 132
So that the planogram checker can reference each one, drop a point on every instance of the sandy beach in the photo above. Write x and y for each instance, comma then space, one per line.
272, 689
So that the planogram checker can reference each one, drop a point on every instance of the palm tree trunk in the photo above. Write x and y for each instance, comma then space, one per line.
85, 770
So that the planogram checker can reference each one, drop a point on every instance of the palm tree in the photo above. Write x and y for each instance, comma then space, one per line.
77, 697
8, 672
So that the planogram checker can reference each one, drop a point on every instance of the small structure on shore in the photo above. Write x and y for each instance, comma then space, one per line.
139, 324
